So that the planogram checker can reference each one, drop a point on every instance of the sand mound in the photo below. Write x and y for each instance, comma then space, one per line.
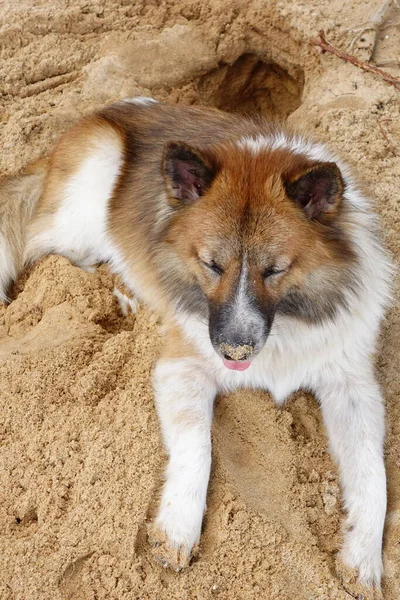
81, 457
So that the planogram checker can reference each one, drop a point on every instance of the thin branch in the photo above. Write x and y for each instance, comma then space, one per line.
356, 596
325, 46
386, 134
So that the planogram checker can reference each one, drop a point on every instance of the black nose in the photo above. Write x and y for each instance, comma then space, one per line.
236, 351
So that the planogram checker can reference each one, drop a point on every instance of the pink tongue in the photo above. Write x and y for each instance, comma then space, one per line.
237, 365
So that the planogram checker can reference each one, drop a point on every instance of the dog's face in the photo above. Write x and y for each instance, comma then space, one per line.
261, 235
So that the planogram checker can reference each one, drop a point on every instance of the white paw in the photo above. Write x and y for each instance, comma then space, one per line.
362, 550
181, 522
126, 304
176, 533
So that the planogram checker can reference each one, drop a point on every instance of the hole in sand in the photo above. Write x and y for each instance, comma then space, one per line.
28, 518
250, 85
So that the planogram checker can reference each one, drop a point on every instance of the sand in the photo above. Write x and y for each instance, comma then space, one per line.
81, 459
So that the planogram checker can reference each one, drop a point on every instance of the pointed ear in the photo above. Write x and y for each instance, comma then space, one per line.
188, 173
318, 190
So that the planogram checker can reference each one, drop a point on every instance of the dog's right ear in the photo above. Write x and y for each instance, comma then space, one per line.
187, 171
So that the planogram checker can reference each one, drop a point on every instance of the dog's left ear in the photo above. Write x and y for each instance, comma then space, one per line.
318, 190
187, 171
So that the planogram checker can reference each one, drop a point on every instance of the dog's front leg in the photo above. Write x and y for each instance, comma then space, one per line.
353, 412
184, 395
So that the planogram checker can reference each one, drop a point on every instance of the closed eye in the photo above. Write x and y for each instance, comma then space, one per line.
270, 271
213, 267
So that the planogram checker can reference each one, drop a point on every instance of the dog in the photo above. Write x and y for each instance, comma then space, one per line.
264, 258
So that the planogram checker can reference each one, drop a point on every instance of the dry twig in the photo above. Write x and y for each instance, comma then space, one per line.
356, 596
325, 46
386, 131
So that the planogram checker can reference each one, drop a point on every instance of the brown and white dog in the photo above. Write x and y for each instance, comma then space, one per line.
261, 253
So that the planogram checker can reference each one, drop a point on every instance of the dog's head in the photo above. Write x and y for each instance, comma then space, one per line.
260, 231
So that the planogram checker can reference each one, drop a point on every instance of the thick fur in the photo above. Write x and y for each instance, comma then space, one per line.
18, 199
256, 245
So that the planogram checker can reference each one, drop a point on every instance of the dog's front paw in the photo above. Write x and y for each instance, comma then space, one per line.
175, 534
363, 551
167, 553
351, 584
